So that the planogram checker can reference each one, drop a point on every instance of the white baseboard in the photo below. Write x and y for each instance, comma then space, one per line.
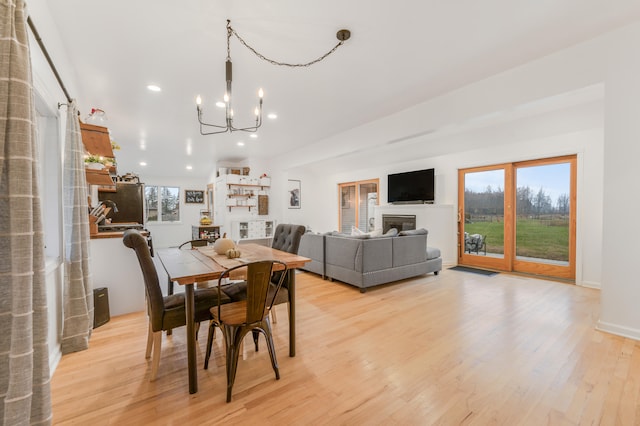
590, 284
619, 330
55, 355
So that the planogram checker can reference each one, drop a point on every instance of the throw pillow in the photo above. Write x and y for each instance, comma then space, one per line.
355, 231
391, 232
376, 233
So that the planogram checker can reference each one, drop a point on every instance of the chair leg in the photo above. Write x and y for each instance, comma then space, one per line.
233, 337
273, 316
155, 361
210, 337
256, 335
147, 354
196, 329
271, 346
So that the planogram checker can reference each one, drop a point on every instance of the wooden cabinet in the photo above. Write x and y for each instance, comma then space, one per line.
252, 230
205, 232
96, 141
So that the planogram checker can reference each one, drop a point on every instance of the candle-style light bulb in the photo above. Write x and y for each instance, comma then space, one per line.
226, 98
260, 93
198, 100
256, 111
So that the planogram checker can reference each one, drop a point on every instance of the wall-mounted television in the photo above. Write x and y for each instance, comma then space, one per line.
411, 187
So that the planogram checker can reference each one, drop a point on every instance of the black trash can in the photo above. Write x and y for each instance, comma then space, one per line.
100, 306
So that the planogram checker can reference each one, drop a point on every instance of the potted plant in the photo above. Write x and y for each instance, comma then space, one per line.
94, 162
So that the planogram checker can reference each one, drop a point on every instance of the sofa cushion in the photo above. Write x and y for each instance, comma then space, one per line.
433, 253
420, 231
409, 250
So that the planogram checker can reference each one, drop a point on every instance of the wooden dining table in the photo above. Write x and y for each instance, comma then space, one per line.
187, 267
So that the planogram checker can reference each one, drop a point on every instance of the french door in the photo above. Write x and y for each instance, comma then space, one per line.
356, 204
519, 217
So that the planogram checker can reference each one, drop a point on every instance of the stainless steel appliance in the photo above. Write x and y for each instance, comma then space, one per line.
127, 204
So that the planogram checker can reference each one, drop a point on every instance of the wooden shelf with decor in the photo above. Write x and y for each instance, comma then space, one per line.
97, 142
99, 177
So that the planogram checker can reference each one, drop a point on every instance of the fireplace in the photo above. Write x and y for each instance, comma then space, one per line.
402, 222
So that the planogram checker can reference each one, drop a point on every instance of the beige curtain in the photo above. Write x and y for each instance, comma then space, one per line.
24, 355
78, 287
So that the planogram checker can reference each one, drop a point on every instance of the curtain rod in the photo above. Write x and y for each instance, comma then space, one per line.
46, 55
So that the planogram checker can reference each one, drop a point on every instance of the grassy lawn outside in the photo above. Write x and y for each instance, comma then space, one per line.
537, 238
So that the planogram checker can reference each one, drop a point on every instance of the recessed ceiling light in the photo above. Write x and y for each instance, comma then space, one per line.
240, 143
220, 104
253, 135
142, 163
189, 168
154, 88
272, 116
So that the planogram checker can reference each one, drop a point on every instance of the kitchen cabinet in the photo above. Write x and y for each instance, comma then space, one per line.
252, 230
205, 232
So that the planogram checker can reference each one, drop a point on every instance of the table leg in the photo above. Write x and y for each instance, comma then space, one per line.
189, 304
292, 312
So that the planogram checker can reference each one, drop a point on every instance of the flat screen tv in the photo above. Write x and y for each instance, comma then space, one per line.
411, 187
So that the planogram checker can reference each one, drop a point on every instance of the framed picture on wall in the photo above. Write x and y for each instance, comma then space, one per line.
294, 194
193, 196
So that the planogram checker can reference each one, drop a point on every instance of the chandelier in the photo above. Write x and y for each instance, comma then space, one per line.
228, 127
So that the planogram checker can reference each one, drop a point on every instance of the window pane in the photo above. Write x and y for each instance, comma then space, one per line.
366, 204
151, 198
484, 213
170, 201
542, 207
347, 207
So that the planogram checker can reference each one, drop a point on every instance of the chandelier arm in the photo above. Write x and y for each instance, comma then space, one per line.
251, 129
205, 133
285, 64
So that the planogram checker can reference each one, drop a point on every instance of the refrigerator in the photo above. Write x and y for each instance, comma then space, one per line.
129, 203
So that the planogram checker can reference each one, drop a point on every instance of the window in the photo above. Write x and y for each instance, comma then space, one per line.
163, 203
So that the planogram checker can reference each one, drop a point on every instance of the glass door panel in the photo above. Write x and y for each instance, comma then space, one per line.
367, 200
544, 218
348, 207
356, 205
482, 217
519, 217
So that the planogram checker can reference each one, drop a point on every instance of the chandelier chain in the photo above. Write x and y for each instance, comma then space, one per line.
230, 31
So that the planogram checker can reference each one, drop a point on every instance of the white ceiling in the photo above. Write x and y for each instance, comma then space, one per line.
400, 54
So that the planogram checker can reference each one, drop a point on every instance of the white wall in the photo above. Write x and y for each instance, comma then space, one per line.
620, 289
172, 234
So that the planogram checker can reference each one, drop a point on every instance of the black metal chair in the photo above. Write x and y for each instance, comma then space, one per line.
251, 314
165, 312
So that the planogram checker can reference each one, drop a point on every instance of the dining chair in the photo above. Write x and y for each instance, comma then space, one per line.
166, 312
286, 238
236, 319
186, 245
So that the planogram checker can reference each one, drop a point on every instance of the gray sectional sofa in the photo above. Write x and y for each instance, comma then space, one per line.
365, 262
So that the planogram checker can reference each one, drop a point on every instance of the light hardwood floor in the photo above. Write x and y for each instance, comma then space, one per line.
454, 349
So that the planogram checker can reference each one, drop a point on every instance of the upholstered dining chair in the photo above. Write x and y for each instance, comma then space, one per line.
165, 312
285, 238
251, 314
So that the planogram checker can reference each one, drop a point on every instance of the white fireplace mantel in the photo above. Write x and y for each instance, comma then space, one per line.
438, 219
